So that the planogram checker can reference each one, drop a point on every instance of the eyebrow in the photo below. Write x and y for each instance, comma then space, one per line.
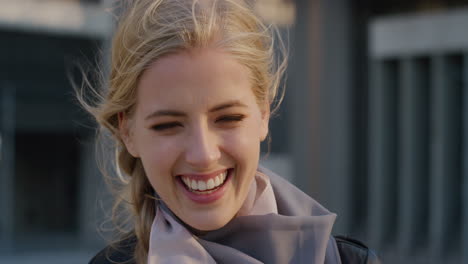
234, 103
175, 113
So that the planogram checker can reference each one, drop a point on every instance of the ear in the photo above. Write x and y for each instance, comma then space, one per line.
264, 123
126, 134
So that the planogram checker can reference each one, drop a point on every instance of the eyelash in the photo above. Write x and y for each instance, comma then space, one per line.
231, 118
227, 119
165, 126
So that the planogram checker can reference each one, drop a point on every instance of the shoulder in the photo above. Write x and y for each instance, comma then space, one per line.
121, 252
353, 251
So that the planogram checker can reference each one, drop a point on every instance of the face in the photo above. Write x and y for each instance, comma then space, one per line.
197, 129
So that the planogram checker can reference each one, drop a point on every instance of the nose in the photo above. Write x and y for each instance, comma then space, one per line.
202, 148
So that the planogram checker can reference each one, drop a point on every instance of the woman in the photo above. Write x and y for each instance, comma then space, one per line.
191, 90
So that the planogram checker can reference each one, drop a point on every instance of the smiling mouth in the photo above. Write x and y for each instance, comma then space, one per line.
205, 186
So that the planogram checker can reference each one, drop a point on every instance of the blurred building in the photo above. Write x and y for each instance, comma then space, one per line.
47, 193
378, 135
372, 125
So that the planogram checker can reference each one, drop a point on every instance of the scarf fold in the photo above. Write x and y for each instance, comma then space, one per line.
277, 223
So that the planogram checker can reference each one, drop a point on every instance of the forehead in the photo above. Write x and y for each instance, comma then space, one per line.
196, 76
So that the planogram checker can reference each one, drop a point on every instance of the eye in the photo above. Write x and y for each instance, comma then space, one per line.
166, 126
230, 118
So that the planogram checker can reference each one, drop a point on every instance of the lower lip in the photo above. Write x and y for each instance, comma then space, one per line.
206, 198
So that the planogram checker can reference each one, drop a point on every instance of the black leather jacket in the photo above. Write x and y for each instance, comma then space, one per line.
351, 252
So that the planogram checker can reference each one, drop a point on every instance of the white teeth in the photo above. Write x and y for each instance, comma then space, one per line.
194, 185
217, 181
210, 184
224, 175
205, 185
201, 185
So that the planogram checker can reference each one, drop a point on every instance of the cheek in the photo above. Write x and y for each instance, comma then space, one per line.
158, 157
243, 144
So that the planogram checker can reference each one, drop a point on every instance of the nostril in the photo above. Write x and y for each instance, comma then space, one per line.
203, 156
202, 146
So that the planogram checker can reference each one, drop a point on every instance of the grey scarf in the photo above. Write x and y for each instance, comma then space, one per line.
299, 233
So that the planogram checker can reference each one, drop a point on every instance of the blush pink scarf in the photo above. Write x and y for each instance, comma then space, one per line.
172, 242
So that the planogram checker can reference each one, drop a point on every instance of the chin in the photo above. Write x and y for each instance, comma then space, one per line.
208, 223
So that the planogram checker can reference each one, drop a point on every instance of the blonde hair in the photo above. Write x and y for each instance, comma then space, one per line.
148, 30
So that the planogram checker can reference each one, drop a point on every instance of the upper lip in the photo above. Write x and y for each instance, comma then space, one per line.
202, 176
